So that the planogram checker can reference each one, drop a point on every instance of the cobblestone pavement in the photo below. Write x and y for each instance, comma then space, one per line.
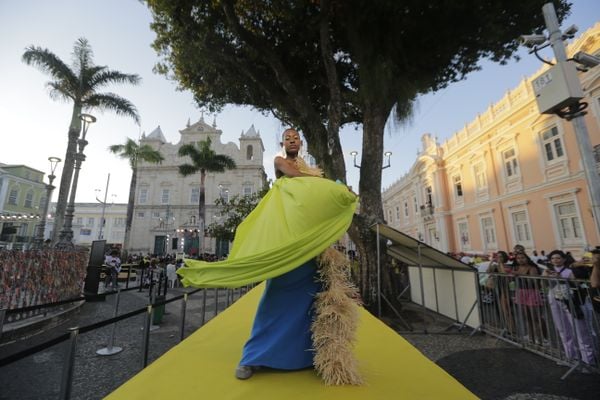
489, 368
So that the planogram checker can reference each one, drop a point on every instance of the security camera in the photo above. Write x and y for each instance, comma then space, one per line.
585, 59
532, 40
570, 31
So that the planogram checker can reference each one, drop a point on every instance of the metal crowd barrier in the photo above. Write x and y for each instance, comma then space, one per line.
71, 336
552, 317
20, 314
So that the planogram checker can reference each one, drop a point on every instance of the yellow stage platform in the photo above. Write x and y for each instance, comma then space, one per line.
202, 367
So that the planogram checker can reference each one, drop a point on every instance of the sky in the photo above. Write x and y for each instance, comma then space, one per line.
34, 127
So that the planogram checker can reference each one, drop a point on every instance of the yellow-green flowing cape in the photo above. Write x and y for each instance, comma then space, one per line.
295, 221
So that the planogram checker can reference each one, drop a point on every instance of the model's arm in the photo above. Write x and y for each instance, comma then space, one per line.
286, 168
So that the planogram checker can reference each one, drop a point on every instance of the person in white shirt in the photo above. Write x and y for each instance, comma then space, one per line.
535, 258
465, 259
171, 274
113, 264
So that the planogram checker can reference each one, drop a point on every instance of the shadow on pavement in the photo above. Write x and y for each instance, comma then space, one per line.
499, 373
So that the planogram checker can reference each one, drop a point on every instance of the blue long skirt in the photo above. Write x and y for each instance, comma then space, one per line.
281, 336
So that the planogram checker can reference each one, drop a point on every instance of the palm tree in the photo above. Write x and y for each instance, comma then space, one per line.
79, 84
134, 152
204, 159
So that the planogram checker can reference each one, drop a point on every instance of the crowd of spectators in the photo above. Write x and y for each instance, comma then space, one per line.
153, 265
544, 300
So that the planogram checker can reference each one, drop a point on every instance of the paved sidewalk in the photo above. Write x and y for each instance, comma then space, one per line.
489, 368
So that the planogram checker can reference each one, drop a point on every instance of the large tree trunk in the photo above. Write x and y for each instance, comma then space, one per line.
316, 135
335, 165
67, 172
371, 209
130, 205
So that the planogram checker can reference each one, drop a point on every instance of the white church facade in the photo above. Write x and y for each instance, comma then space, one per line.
165, 218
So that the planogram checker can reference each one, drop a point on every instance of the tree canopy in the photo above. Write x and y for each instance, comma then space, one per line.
234, 211
133, 152
272, 55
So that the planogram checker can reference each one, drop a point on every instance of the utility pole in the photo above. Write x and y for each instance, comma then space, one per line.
558, 91
103, 207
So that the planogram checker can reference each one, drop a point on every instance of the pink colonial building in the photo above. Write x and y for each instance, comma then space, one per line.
510, 176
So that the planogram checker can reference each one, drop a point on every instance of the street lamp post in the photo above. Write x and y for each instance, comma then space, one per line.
387, 155
65, 240
558, 91
165, 224
39, 237
102, 222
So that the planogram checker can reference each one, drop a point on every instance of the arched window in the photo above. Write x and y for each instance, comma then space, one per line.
249, 152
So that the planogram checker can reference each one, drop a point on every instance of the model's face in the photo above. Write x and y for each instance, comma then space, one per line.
501, 258
556, 259
291, 141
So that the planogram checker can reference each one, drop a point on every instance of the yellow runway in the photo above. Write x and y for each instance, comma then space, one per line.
202, 367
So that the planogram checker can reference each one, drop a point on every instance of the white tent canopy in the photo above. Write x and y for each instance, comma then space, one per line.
438, 282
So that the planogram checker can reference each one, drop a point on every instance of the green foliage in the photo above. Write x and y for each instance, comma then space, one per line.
234, 212
80, 82
385, 53
133, 152
204, 159
269, 57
